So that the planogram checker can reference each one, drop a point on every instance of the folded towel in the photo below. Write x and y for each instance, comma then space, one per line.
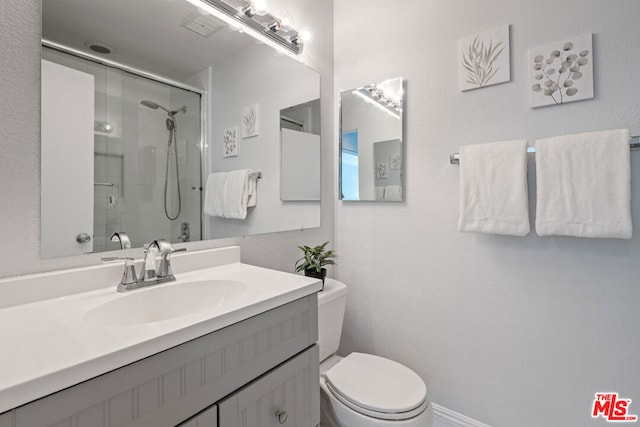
214, 193
393, 192
493, 188
379, 192
584, 185
252, 190
236, 194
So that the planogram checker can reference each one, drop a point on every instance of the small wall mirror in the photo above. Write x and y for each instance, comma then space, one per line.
371, 142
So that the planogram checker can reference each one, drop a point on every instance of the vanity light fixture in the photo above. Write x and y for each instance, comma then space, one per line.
257, 21
376, 96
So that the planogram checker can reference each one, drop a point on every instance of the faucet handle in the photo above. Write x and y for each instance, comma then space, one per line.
164, 269
129, 276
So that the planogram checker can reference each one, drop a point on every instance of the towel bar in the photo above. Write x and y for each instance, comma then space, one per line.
454, 158
257, 175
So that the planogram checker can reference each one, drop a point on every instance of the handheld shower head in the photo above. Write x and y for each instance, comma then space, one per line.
154, 106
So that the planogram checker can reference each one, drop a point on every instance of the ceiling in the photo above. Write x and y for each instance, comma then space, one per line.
144, 34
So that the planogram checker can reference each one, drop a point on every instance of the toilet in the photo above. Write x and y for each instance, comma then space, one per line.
363, 390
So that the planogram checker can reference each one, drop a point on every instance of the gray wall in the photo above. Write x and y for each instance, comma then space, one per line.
510, 331
20, 145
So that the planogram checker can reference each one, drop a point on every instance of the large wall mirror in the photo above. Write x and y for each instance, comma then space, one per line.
141, 101
371, 142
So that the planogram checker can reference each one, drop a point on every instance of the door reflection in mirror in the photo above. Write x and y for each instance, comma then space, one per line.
300, 152
349, 166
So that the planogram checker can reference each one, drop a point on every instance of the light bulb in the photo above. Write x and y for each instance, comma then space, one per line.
260, 7
305, 36
287, 20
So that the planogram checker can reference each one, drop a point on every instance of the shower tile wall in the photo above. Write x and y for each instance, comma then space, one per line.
130, 159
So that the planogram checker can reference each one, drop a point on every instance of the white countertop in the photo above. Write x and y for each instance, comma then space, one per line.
47, 345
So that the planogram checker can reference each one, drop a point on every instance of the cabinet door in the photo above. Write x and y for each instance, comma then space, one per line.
289, 395
206, 418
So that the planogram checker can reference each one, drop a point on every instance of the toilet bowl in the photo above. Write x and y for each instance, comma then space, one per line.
363, 390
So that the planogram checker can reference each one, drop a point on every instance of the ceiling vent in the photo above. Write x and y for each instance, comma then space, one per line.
202, 23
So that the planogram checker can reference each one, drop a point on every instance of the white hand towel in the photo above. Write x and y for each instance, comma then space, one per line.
214, 194
252, 190
236, 194
493, 188
393, 192
584, 185
379, 192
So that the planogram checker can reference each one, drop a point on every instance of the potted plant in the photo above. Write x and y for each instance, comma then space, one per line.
314, 260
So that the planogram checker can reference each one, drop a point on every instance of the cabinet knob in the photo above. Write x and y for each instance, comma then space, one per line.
282, 416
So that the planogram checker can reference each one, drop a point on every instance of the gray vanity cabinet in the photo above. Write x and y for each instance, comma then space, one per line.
207, 418
261, 366
287, 396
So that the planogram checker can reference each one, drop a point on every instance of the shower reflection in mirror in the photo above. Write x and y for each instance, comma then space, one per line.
371, 142
146, 156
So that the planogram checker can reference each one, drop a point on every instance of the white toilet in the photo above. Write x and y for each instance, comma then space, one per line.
363, 390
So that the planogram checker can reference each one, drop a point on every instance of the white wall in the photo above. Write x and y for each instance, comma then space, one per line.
20, 145
510, 331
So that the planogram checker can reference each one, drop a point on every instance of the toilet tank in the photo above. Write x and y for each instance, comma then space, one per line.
331, 305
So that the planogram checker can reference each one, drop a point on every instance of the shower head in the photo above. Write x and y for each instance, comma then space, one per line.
154, 106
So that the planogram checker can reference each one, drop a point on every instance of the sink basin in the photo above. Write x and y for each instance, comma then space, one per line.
159, 303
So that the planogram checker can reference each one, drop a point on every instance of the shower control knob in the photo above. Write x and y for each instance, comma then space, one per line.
83, 238
282, 416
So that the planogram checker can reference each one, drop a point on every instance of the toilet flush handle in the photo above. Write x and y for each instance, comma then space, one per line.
282, 416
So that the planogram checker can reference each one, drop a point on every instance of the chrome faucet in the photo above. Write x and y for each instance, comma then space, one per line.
151, 274
162, 272
123, 238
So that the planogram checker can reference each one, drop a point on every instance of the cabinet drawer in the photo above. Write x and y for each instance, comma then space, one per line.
168, 388
289, 395
206, 418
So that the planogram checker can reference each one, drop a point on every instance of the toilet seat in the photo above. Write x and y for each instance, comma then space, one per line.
377, 387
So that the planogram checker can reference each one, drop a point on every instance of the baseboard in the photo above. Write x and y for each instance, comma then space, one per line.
455, 418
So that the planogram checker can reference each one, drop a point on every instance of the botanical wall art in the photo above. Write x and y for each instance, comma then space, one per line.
484, 59
561, 71
395, 161
382, 170
250, 120
230, 142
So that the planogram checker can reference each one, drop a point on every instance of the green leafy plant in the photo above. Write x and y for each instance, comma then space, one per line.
315, 258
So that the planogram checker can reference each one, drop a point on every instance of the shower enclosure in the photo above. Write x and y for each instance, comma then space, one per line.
147, 156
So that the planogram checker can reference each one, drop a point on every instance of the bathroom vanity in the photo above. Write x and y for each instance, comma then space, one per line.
248, 360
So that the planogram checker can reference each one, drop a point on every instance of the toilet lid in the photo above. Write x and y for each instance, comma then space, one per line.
377, 384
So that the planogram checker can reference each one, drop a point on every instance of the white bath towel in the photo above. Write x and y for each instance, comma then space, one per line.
214, 193
584, 185
236, 194
493, 188
393, 192
379, 192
